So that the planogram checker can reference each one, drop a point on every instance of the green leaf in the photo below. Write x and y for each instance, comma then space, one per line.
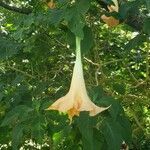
76, 17
20, 112
8, 48
76, 25
1, 86
9, 119
88, 41
98, 139
99, 97
135, 42
19, 34
83, 6
108, 2
85, 125
37, 128
129, 9
112, 134
40, 87
115, 108
86, 44
146, 26
126, 128
70, 37
22, 95
56, 16
96, 93
1, 96
28, 20
125, 8
17, 80
5, 136
119, 88
58, 137
148, 5
17, 135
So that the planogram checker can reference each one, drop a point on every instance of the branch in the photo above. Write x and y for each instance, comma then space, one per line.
25, 11
130, 73
138, 122
20, 71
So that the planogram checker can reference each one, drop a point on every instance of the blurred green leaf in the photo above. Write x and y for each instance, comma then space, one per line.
17, 136
86, 128
56, 16
83, 6
19, 112
1, 96
119, 88
135, 42
37, 128
146, 26
8, 48
126, 130
148, 4
125, 8
88, 42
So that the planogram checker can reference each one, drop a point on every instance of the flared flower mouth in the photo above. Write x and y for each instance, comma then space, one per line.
77, 99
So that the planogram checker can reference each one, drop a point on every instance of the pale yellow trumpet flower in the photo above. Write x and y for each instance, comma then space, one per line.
77, 99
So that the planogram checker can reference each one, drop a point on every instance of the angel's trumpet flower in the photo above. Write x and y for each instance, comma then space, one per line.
111, 21
76, 99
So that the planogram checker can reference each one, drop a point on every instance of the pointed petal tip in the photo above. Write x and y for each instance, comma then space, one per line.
47, 108
51, 107
98, 110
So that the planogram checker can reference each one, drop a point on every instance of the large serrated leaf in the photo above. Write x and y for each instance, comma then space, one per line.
112, 133
83, 6
75, 16
85, 126
146, 26
126, 128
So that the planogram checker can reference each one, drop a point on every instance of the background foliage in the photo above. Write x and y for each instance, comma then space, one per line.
37, 46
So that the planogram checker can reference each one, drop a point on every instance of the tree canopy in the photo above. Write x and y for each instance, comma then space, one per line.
37, 55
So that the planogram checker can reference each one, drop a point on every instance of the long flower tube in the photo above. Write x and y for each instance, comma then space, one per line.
77, 99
